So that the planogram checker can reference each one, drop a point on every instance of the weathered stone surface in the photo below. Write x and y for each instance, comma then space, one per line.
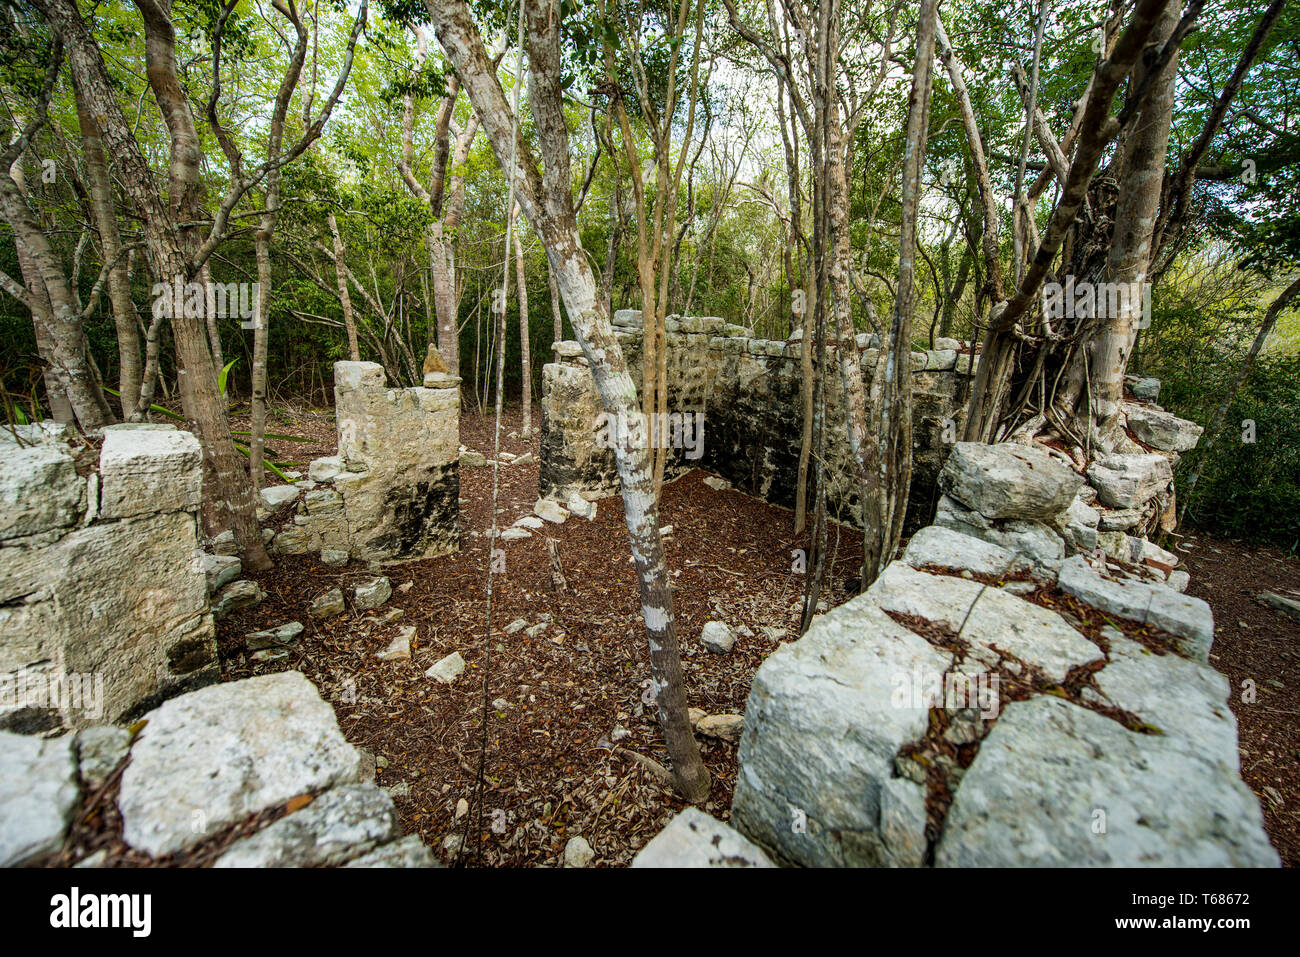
99, 751
943, 547
515, 534
399, 649
212, 757
694, 839
325, 469
579, 506
1288, 606
1184, 699
822, 728
1050, 769
39, 490
1126, 480
551, 511
1119, 519
1008, 480
286, 634
993, 621
38, 789
447, 669
1160, 429
236, 596
351, 376
337, 826
373, 593
717, 637
120, 606
221, 570
902, 822
1032, 540
334, 557
1183, 616
144, 471
328, 605
401, 450
293, 541
410, 851
1146, 389
275, 496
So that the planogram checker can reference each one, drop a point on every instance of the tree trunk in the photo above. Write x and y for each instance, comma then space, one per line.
59, 324
119, 277
1129, 260
354, 351
525, 365
891, 385
226, 483
547, 200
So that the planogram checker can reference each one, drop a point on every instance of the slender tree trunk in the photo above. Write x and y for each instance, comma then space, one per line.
557, 318
525, 365
349, 321
119, 276
59, 324
547, 200
891, 385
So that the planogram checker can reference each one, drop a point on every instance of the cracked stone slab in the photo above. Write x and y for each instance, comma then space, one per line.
1057, 785
823, 724
334, 828
987, 618
1185, 699
694, 839
1189, 619
212, 757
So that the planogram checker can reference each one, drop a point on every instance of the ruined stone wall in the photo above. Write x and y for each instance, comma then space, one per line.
103, 597
391, 492
748, 390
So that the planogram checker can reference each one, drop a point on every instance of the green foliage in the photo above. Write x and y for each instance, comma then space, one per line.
1250, 485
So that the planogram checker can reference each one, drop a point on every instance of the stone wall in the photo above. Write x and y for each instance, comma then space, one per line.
103, 597
748, 390
391, 493
985, 703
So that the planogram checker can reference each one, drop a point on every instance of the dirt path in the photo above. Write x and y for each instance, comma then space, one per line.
1257, 643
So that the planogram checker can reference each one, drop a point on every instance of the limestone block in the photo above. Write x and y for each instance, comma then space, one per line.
146, 471
38, 789
212, 757
1009, 480
39, 490
822, 727
1048, 766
